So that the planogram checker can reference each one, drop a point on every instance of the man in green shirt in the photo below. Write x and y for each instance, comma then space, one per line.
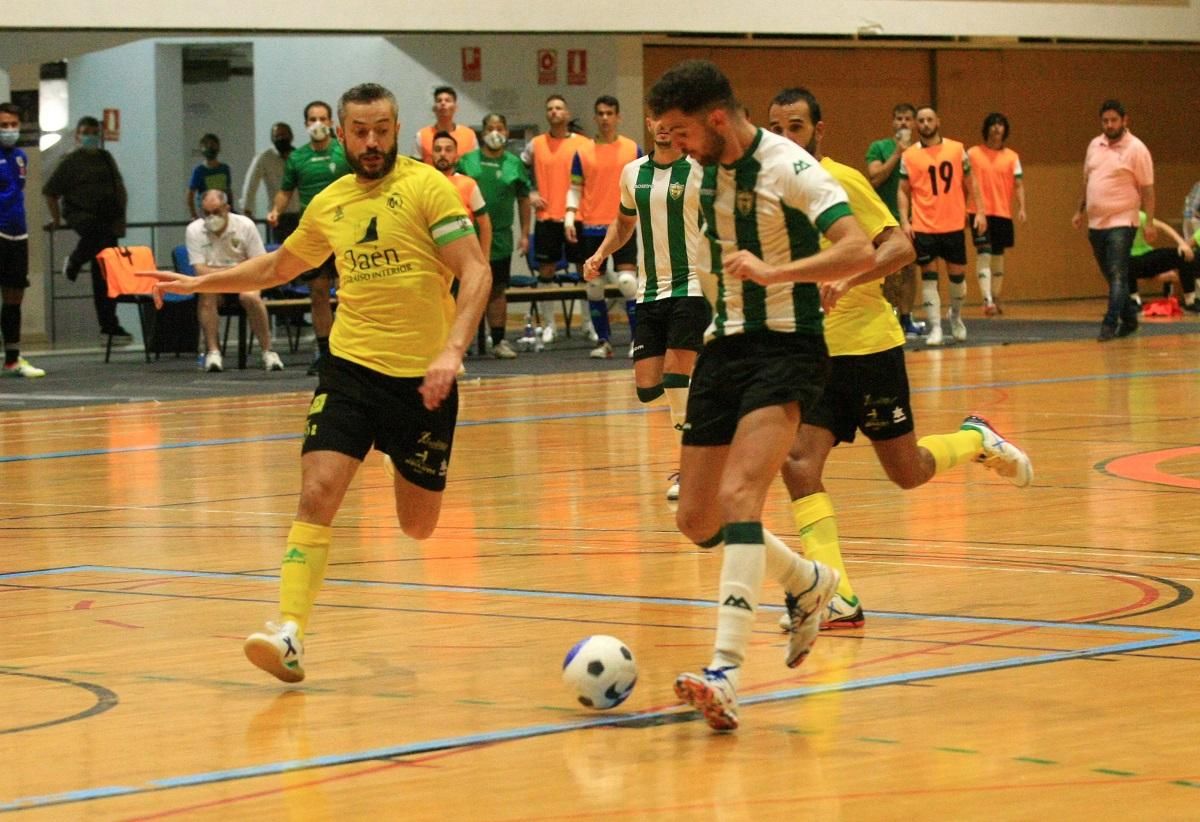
504, 181
883, 170
309, 170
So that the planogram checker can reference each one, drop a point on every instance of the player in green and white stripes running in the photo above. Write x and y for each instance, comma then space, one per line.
660, 195
765, 201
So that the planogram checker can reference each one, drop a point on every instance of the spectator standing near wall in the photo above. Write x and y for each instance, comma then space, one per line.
87, 192
267, 171
1118, 178
209, 175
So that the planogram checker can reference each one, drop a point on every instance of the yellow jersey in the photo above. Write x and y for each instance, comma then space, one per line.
394, 304
863, 321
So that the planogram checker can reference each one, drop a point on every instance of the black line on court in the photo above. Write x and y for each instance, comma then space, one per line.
1183, 593
105, 700
153, 594
616, 722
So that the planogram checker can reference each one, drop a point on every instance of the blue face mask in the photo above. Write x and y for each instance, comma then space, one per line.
9, 137
89, 141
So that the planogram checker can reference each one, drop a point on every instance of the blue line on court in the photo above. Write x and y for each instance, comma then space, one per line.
566, 595
586, 414
95, 452
530, 731
1168, 637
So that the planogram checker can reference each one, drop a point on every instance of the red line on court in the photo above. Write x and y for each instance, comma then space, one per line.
83, 605
119, 624
1144, 467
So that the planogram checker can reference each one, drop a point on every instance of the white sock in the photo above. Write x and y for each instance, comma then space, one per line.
675, 386
741, 580
785, 566
983, 271
958, 294
997, 275
931, 301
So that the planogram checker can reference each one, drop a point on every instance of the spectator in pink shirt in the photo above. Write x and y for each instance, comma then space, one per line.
1118, 177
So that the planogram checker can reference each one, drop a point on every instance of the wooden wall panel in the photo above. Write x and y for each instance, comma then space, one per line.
1051, 97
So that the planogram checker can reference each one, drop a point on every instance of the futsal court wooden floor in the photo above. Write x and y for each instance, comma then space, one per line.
1028, 654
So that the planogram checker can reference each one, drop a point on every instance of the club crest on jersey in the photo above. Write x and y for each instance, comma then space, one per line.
744, 201
799, 166
675, 190
338, 214
393, 201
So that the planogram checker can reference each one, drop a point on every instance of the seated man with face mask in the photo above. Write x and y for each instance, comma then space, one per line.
220, 240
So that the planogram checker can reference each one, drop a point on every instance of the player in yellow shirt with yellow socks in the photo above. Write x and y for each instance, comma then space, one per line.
868, 385
400, 235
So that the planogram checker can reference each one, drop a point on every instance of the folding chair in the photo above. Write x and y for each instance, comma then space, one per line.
120, 265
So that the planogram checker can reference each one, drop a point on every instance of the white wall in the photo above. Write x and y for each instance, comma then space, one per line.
226, 109
1145, 20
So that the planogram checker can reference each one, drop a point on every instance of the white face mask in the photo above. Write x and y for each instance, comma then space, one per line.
215, 223
9, 137
494, 140
318, 131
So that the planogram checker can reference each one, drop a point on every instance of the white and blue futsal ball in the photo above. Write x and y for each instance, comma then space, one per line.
601, 671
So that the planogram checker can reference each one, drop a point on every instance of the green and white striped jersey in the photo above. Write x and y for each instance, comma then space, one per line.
775, 201
671, 247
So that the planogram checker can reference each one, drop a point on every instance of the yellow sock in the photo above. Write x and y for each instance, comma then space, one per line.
949, 450
819, 536
303, 570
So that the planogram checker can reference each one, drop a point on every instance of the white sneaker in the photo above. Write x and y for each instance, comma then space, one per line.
271, 361
710, 693
503, 351
839, 613
278, 651
22, 368
548, 334
213, 362
958, 329
673, 488
935, 334
805, 611
999, 454
602, 352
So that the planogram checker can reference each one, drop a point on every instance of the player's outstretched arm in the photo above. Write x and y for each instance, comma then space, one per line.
255, 274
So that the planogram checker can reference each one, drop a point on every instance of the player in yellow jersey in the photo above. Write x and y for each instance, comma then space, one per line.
868, 384
399, 235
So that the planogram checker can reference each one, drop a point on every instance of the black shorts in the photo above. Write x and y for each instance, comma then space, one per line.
1157, 261
14, 263
550, 243
951, 247
590, 239
999, 234
501, 273
355, 407
867, 392
744, 372
675, 322
325, 269
284, 227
